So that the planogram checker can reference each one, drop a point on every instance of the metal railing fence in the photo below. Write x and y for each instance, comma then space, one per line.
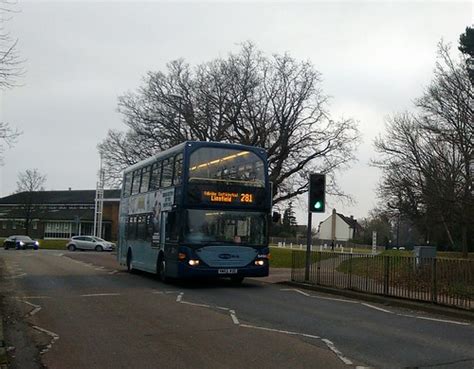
438, 280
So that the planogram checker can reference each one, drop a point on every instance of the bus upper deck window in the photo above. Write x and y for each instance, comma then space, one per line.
227, 165
145, 180
167, 176
127, 185
178, 169
136, 181
155, 176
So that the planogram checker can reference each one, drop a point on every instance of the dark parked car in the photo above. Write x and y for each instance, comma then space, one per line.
20, 243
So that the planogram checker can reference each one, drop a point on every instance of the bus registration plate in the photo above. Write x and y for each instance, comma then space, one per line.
227, 271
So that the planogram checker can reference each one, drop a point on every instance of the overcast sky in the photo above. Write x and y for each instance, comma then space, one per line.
375, 58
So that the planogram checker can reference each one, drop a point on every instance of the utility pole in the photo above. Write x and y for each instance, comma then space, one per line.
99, 201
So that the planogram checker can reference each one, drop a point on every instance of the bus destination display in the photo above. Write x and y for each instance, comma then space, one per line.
227, 197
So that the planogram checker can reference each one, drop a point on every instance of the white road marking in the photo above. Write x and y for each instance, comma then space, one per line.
434, 319
279, 331
36, 297
195, 304
296, 290
157, 292
36, 308
16, 276
234, 317
100, 294
335, 299
376, 308
338, 353
222, 308
54, 338
113, 272
180, 297
172, 292
379, 308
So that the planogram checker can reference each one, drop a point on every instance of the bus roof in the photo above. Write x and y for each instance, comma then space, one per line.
180, 147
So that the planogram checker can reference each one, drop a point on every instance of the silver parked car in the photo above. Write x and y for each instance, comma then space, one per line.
89, 243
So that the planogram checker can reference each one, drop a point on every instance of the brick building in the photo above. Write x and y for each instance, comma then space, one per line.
58, 214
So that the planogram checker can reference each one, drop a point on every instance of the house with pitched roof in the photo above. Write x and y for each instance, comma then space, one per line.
58, 214
338, 227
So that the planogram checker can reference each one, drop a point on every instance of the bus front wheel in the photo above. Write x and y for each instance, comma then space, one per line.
237, 280
162, 269
129, 261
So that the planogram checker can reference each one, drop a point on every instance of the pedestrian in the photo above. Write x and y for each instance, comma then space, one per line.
332, 245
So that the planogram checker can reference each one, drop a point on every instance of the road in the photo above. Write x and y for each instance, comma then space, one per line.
81, 310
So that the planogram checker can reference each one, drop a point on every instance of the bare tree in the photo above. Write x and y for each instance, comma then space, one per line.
273, 102
10, 62
8, 137
10, 70
29, 181
426, 156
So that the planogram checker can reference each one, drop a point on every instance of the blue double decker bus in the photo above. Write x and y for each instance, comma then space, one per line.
199, 209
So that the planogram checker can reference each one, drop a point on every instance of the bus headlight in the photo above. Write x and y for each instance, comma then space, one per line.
260, 262
193, 262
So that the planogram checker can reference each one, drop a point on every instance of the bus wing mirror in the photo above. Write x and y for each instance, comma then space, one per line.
276, 217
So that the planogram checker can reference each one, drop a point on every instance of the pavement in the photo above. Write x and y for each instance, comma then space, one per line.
81, 310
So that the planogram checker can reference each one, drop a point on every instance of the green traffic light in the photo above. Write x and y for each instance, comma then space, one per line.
318, 205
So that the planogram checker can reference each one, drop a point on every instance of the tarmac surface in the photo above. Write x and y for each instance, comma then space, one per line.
81, 310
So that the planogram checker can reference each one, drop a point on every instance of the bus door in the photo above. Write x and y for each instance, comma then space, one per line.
164, 219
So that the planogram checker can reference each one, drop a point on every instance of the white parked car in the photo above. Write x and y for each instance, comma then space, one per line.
89, 243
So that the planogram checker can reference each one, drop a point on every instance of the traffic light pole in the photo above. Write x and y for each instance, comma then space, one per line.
308, 246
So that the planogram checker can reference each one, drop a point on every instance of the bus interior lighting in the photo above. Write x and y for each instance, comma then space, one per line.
220, 160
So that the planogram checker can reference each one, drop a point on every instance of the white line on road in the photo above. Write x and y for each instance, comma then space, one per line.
195, 304
16, 276
234, 317
434, 319
236, 321
113, 272
36, 297
100, 294
335, 299
36, 308
279, 331
54, 338
338, 353
376, 308
296, 290
157, 292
